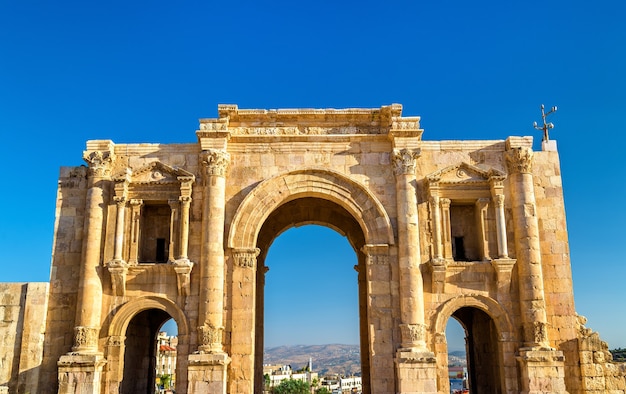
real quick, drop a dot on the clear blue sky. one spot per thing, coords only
(146, 71)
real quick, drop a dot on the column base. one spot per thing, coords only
(416, 371)
(206, 373)
(541, 370)
(80, 373)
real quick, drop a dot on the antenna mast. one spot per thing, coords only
(546, 126)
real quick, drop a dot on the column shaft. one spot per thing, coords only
(89, 302)
(411, 284)
(211, 309)
(184, 227)
(527, 247)
(119, 228)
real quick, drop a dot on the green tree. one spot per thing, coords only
(292, 386)
(166, 380)
(322, 390)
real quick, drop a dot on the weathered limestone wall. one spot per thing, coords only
(23, 307)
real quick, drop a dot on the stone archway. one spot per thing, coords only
(142, 316)
(489, 335)
(311, 196)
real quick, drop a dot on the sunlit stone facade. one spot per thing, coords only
(473, 230)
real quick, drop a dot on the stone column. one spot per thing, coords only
(527, 246)
(207, 368)
(135, 211)
(416, 366)
(536, 357)
(185, 202)
(437, 262)
(242, 338)
(482, 204)
(89, 304)
(435, 207)
(81, 370)
(411, 285)
(174, 206)
(497, 195)
(210, 319)
(447, 231)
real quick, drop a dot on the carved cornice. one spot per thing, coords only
(376, 254)
(245, 258)
(404, 161)
(215, 162)
(519, 160)
(100, 163)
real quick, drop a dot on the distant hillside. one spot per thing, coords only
(327, 359)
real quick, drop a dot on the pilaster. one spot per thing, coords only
(541, 371)
(242, 336)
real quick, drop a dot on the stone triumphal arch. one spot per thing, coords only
(467, 230)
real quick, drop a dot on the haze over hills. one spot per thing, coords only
(329, 359)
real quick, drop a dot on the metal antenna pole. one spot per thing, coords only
(546, 126)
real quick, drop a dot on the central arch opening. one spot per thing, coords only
(311, 282)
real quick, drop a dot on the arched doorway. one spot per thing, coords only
(320, 212)
(487, 331)
(132, 347)
(141, 353)
(324, 197)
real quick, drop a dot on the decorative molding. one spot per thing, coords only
(116, 340)
(85, 338)
(245, 258)
(376, 254)
(519, 160)
(215, 161)
(210, 338)
(404, 161)
(412, 334)
(183, 269)
(118, 270)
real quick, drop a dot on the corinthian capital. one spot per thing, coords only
(519, 160)
(100, 163)
(215, 161)
(404, 161)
